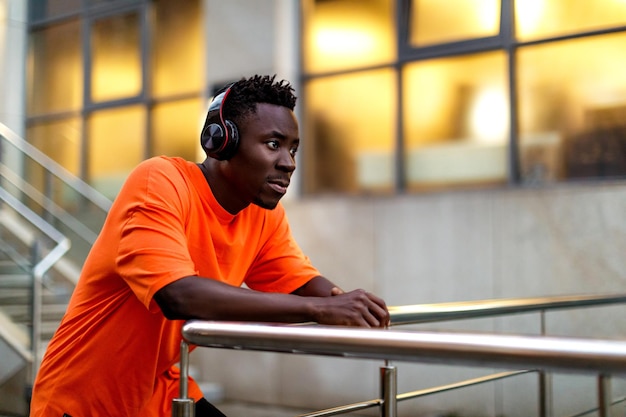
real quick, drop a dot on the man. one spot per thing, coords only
(180, 240)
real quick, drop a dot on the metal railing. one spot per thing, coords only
(540, 354)
(42, 260)
(54, 192)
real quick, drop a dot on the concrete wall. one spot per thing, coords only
(444, 247)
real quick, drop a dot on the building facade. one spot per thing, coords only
(449, 153)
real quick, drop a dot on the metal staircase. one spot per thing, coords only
(49, 219)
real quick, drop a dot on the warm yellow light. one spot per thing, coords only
(489, 118)
(341, 42)
(528, 15)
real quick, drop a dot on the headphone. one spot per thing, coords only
(220, 137)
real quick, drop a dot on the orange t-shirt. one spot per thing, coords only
(114, 352)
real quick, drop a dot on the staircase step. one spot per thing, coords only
(15, 280)
(22, 296)
(21, 313)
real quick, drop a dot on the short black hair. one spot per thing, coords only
(246, 93)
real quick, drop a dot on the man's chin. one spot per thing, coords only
(268, 205)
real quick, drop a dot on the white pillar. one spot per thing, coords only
(13, 46)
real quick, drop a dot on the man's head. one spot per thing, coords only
(258, 170)
(232, 104)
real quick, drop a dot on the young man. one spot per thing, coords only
(180, 240)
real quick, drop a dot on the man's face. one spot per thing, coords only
(261, 169)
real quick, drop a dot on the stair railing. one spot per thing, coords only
(534, 353)
(51, 196)
(43, 260)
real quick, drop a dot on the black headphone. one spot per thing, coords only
(220, 137)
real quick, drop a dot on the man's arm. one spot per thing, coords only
(319, 300)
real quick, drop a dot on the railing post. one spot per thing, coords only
(545, 379)
(35, 311)
(545, 394)
(183, 406)
(388, 391)
(604, 395)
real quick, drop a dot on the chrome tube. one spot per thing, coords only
(428, 313)
(604, 396)
(485, 350)
(183, 406)
(388, 391)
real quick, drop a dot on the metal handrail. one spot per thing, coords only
(41, 266)
(426, 313)
(472, 349)
(587, 356)
(55, 169)
(57, 211)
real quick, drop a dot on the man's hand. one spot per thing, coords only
(354, 308)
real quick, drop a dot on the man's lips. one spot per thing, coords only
(279, 185)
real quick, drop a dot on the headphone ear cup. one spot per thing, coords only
(213, 138)
(230, 148)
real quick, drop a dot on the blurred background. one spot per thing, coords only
(451, 150)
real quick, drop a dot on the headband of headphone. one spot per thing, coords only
(220, 137)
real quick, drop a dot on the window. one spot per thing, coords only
(351, 118)
(436, 21)
(456, 121)
(114, 82)
(465, 93)
(572, 109)
(344, 34)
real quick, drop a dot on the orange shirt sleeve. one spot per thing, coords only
(153, 246)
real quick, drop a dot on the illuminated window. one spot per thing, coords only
(116, 146)
(116, 58)
(456, 121)
(55, 70)
(178, 54)
(350, 132)
(176, 128)
(545, 18)
(572, 106)
(60, 140)
(436, 21)
(134, 107)
(344, 34)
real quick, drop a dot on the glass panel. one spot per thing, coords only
(456, 121)
(572, 109)
(116, 146)
(55, 70)
(545, 18)
(350, 132)
(116, 54)
(436, 21)
(176, 128)
(42, 9)
(345, 34)
(177, 48)
(60, 140)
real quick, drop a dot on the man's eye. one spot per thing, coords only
(273, 144)
(293, 151)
